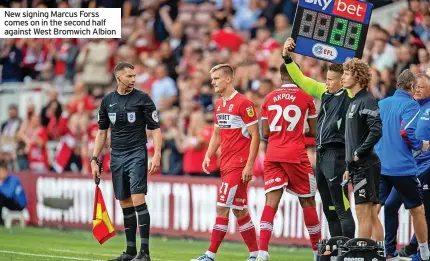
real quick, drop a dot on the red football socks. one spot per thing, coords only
(266, 227)
(218, 233)
(247, 230)
(313, 225)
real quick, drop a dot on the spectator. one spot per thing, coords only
(52, 111)
(177, 39)
(246, 18)
(266, 86)
(66, 158)
(383, 55)
(93, 61)
(10, 58)
(282, 28)
(226, 13)
(423, 30)
(404, 58)
(25, 130)
(9, 130)
(35, 53)
(35, 145)
(163, 90)
(224, 38)
(423, 59)
(65, 59)
(12, 194)
(172, 147)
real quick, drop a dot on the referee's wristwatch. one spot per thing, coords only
(95, 159)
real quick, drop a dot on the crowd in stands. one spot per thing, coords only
(173, 45)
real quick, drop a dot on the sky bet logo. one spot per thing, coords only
(350, 9)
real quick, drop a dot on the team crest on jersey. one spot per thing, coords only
(230, 108)
(112, 117)
(351, 112)
(427, 112)
(250, 111)
(131, 117)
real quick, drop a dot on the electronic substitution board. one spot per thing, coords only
(331, 30)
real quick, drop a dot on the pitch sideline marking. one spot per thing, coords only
(50, 256)
(107, 255)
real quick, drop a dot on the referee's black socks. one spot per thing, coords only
(144, 224)
(130, 226)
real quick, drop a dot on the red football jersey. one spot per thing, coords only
(233, 116)
(287, 110)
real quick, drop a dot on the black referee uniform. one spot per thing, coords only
(362, 131)
(129, 116)
(330, 143)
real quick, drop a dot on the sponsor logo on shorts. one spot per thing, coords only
(354, 259)
(362, 193)
(269, 182)
(239, 200)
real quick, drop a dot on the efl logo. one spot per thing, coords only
(351, 9)
(324, 51)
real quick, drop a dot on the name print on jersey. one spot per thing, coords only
(284, 96)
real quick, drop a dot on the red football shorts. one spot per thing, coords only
(297, 178)
(233, 193)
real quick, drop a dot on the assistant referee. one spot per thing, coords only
(129, 112)
(330, 142)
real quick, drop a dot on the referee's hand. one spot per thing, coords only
(288, 46)
(154, 165)
(95, 170)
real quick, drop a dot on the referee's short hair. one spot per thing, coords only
(226, 68)
(121, 66)
(336, 67)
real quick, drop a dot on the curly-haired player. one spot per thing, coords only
(363, 129)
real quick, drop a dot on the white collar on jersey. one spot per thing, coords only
(289, 85)
(231, 96)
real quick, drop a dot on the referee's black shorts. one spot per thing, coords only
(129, 172)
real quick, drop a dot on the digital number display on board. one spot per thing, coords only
(331, 30)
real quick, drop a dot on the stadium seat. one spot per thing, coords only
(10, 216)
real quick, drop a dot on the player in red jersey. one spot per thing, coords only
(287, 165)
(236, 131)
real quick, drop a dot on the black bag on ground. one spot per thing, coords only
(328, 249)
(361, 249)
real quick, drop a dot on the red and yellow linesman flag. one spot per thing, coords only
(102, 226)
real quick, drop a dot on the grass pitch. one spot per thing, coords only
(44, 244)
